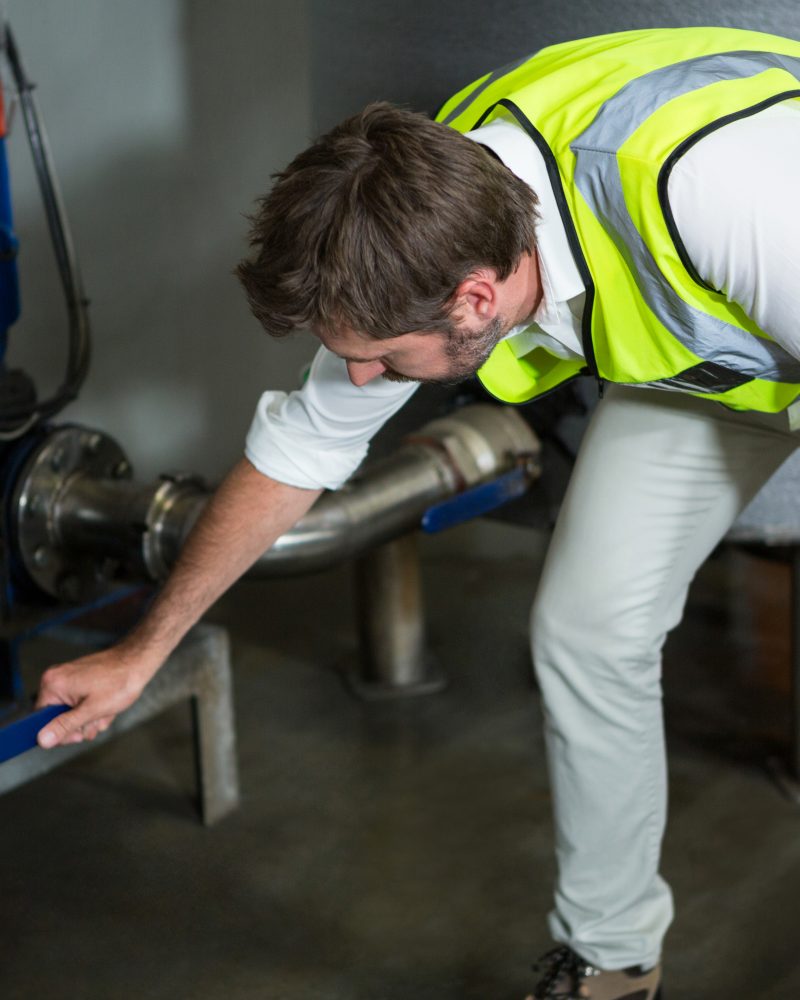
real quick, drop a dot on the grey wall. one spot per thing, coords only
(166, 119)
(419, 54)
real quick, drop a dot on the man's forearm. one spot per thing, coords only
(246, 514)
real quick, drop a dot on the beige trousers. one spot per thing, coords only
(659, 480)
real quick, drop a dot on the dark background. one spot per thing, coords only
(419, 54)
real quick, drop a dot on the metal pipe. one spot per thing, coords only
(76, 508)
(149, 523)
(386, 500)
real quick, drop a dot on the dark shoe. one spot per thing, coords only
(565, 976)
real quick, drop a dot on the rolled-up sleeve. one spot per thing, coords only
(317, 436)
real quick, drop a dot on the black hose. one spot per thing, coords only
(79, 352)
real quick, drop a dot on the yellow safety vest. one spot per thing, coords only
(612, 115)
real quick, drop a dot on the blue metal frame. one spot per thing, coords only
(9, 284)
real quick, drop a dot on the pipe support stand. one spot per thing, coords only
(200, 671)
(393, 660)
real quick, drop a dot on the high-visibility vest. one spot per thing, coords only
(612, 116)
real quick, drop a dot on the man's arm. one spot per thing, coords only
(244, 517)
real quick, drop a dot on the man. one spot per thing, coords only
(623, 206)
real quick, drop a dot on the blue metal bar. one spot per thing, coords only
(479, 500)
(19, 736)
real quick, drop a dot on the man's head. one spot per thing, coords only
(391, 225)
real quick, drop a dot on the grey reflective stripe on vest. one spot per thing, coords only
(465, 102)
(597, 178)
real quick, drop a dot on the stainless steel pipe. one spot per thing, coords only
(79, 519)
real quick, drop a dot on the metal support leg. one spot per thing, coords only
(199, 670)
(394, 661)
(215, 732)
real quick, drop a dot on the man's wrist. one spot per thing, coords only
(142, 658)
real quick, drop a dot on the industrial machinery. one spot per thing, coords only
(23, 417)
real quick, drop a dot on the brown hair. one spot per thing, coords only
(375, 225)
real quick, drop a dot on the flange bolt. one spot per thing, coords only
(41, 556)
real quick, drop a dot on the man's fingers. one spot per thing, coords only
(93, 729)
(72, 727)
(64, 728)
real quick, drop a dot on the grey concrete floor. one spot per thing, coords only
(398, 851)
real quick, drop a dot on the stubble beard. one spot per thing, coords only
(466, 352)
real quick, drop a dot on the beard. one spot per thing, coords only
(465, 350)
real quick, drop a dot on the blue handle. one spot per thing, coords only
(19, 736)
(478, 500)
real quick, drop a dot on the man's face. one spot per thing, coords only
(442, 358)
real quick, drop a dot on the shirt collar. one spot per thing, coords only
(561, 279)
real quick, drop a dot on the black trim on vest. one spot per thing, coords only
(566, 218)
(706, 377)
(683, 147)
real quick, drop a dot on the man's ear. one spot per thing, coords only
(477, 297)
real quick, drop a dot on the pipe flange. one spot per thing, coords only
(174, 487)
(480, 441)
(65, 453)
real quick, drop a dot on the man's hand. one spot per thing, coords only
(98, 687)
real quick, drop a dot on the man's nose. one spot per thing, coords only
(361, 372)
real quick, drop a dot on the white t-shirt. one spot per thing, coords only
(736, 203)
